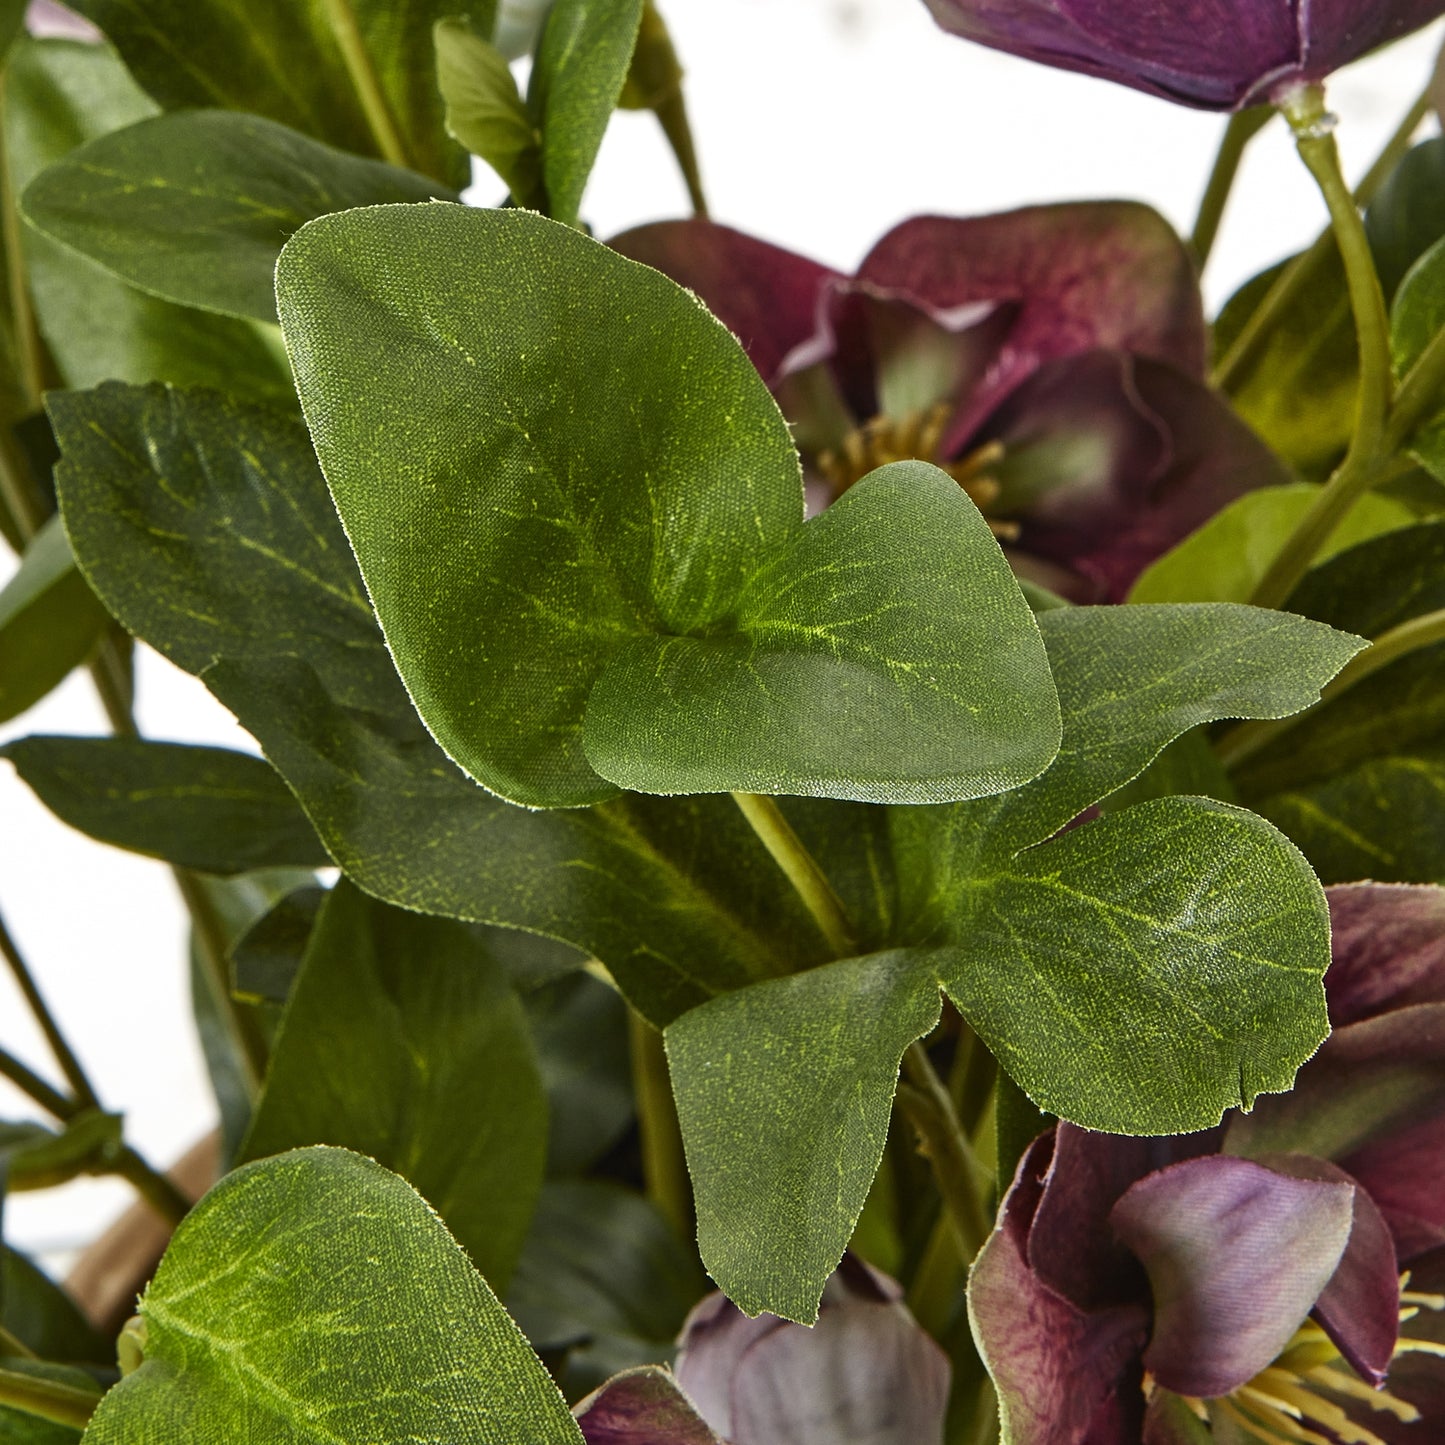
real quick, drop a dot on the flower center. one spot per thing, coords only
(916, 437)
(1309, 1385)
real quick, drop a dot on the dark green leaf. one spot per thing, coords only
(577, 77)
(1407, 216)
(267, 957)
(403, 1040)
(281, 59)
(322, 1257)
(195, 207)
(485, 111)
(20, 1428)
(641, 497)
(50, 622)
(58, 95)
(1416, 318)
(35, 1157)
(41, 1315)
(1018, 1122)
(205, 808)
(604, 1278)
(1358, 783)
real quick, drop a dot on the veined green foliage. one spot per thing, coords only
(584, 537)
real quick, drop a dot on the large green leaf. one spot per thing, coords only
(1416, 318)
(49, 622)
(40, 1314)
(583, 535)
(195, 207)
(315, 1298)
(403, 1040)
(1358, 783)
(205, 808)
(1407, 216)
(59, 95)
(283, 59)
(580, 67)
(1140, 974)
(207, 529)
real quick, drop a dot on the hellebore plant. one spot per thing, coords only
(823, 781)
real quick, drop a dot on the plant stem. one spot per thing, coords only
(34, 1087)
(151, 1185)
(47, 1399)
(15, 1347)
(672, 116)
(664, 1165)
(62, 1052)
(1361, 466)
(963, 1182)
(1243, 126)
(366, 82)
(1304, 266)
(1428, 630)
(801, 868)
(22, 314)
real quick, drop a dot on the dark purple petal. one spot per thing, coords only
(1338, 31)
(1079, 277)
(1404, 1172)
(1064, 1375)
(1419, 1378)
(641, 1407)
(1237, 1255)
(1388, 948)
(768, 297)
(1360, 1307)
(1109, 461)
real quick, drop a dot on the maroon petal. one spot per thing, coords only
(1388, 948)
(1404, 1173)
(1063, 1374)
(641, 1407)
(1419, 1378)
(1082, 277)
(768, 297)
(1338, 31)
(1237, 1255)
(1109, 461)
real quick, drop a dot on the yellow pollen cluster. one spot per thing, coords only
(1281, 1404)
(917, 436)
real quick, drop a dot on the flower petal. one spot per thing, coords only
(641, 1407)
(1237, 1255)
(714, 1338)
(1388, 946)
(1404, 1173)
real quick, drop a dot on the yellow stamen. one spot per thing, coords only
(1269, 1426)
(1357, 1389)
(1306, 1405)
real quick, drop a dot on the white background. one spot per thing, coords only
(820, 124)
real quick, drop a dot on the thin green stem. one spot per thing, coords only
(1367, 453)
(963, 1182)
(28, 367)
(664, 1165)
(62, 1052)
(1428, 630)
(48, 1399)
(672, 116)
(15, 1347)
(1243, 126)
(34, 1087)
(1299, 272)
(801, 869)
(366, 82)
(151, 1185)
(933, 1294)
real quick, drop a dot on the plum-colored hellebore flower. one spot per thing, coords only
(1213, 54)
(865, 1374)
(1051, 359)
(1245, 1284)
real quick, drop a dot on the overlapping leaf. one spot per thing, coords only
(584, 535)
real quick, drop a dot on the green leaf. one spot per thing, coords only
(41, 1315)
(77, 1388)
(1228, 556)
(49, 622)
(403, 1040)
(1357, 784)
(1407, 216)
(195, 207)
(210, 809)
(1416, 318)
(281, 59)
(485, 111)
(315, 1298)
(641, 497)
(577, 77)
(35, 1157)
(604, 1278)
(58, 95)
(267, 957)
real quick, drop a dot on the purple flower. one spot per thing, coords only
(1051, 359)
(1214, 54)
(865, 1374)
(1245, 1284)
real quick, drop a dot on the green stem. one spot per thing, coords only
(22, 314)
(801, 869)
(672, 116)
(1243, 126)
(933, 1294)
(1299, 272)
(62, 1052)
(47, 1399)
(34, 1087)
(366, 82)
(15, 1347)
(1428, 630)
(1367, 453)
(151, 1185)
(963, 1182)
(664, 1165)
